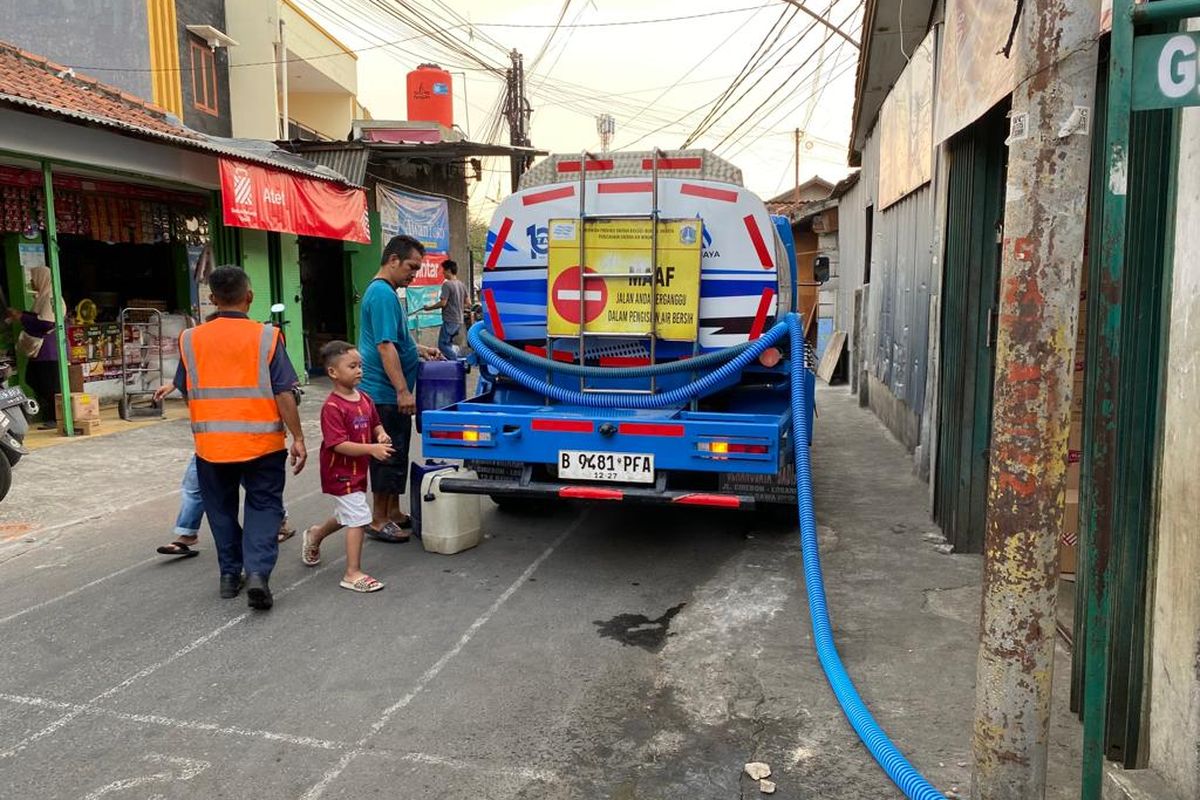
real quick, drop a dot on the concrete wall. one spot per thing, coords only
(329, 114)
(203, 12)
(309, 41)
(253, 86)
(86, 34)
(1175, 640)
(895, 343)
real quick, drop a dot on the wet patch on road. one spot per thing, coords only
(638, 630)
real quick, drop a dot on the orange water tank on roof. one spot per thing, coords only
(429, 95)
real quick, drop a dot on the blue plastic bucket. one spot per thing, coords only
(440, 384)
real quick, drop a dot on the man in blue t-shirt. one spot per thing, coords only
(390, 359)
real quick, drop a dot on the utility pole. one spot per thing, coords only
(606, 126)
(1049, 158)
(517, 111)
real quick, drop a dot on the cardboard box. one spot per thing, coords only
(75, 378)
(83, 427)
(1068, 555)
(1068, 542)
(84, 406)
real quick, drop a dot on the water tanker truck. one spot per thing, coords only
(618, 293)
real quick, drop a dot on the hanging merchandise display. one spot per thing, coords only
(120, 245)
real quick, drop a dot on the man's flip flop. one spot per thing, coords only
(390, 532)
(181, 549)
(366, 584)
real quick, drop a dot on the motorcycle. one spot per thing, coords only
(15, 411)
(279, 322)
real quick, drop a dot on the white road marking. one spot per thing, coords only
(189, 768)
(520, 773)
(112, 575)
(180, 724)
(431, 759)
(430, 674)
(77, 590)
(150, 670)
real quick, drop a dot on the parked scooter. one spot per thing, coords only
(15, 410)
(279, 322)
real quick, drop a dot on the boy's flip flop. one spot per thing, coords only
(181, 549)
(366, 584)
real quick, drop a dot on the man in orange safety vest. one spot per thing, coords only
(237, 378)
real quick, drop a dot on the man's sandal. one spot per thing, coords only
(178, 548)
(366, 584)
(390, 532)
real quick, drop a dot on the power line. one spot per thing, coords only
(713, 116)
(833, 77)
(748, 67)
(784, 83)
(624, 22)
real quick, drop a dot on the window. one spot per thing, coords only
(204, 79)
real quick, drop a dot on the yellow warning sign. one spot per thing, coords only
(614, 296)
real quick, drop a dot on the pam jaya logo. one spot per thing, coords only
(243, 187)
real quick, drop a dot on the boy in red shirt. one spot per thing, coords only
(351, 435)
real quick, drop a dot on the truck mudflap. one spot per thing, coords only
(575, 491)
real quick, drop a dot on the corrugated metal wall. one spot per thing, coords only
(902, 272)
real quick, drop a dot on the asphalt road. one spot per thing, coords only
(585, 652)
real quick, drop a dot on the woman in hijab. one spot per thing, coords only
(40, 344)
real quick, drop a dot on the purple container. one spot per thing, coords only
(440, 384)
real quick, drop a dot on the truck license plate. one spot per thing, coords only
(619, 467)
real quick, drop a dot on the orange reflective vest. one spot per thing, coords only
(232, 405)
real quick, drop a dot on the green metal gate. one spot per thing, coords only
(970, 289)
(1128, 315)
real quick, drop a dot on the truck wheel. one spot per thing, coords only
(5, 477)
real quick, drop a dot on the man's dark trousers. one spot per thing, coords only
(251, 546)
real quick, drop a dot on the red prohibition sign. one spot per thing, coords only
(565, 295)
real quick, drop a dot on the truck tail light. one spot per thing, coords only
(717, 447)
(462, 435)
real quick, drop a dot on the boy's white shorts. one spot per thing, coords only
(352, 510)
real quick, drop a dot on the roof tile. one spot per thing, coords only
(35, 78)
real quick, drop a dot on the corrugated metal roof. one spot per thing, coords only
(348, 161)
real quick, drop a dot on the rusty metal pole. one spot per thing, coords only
(1044, 234)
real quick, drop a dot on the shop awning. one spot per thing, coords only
(267, 199)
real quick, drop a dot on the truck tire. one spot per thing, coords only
(5, 477)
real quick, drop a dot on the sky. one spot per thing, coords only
(658, 79)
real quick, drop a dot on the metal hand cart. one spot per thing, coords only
(141, 362)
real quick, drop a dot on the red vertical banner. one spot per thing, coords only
(430, 273)
(273, 200)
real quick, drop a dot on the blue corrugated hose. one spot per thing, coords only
(885, 753)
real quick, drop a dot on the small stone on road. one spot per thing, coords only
(758, 770)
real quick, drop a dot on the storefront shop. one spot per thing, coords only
(122, 247)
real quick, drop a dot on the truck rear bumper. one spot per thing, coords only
(575, 491)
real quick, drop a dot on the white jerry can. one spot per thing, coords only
(450, 523)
